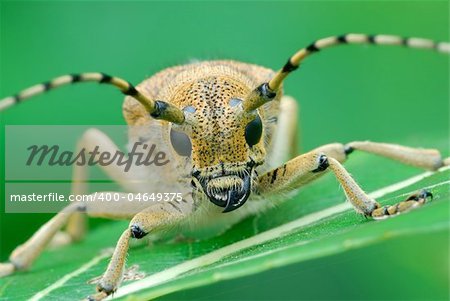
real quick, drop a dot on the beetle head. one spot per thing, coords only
(224, 142)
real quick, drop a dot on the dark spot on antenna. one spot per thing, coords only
(342, 39)
(289, 67)
(312, 48)
(131, 91)
(47, 86)
(105, 78)
(371, 39)
(75, 78)
(405, 41)
(160, 107)
(265, 92)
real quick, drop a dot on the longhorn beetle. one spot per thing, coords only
(232, 126)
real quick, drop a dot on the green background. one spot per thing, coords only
(347, 93)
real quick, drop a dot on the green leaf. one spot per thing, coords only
(315, 223)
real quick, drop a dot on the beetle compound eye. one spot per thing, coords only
(253, 131)
(181, 143)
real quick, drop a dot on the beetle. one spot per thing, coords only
(230, 130)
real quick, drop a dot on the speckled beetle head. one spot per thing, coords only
(224, 142)
(222, 139)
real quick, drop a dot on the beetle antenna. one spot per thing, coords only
(156, 108)
(267, 91)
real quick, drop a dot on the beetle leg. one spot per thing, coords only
(423, 158)
(307, 167)
(151, 219)
(72, 216)
(430, 159)
(24, 255)
(76, 225)
(413, 201)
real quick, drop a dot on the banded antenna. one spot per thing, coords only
(267, 91)
(156, 108)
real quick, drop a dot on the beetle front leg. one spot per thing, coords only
(305, 168)
(152, 219)
(293, 174)
(365, 204)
